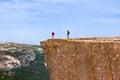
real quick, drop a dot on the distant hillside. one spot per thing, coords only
(22, 62)
(13, 55)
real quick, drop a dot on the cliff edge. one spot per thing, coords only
(83, 58)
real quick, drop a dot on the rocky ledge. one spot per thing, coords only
(83, 58)
(14, 55)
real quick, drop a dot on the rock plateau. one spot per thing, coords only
(83, 58)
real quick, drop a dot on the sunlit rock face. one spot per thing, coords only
(83, 58)
(13, 55)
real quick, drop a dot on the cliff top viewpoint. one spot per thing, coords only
(83, 58)
(93, 39)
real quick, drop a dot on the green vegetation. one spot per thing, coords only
(36, 70)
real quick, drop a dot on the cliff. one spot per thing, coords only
(14, 55)
(83, 58)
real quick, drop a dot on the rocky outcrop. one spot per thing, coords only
(13, 55)
(83, 59)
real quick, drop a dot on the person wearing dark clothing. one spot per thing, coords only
(68, 33)
(53, 35)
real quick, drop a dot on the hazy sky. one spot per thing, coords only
(30, 21)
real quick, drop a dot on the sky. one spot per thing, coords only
(32, 21)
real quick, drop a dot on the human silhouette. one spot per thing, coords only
(68, 33)
(53, 35)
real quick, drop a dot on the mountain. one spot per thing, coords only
(14, 55)
(22, 62)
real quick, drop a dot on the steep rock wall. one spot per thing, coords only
(83, 59)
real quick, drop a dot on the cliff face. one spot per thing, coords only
(13, 55)
(83, 59)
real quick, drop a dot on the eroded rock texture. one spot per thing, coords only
(83, 59)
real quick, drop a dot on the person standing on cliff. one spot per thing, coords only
(68, 33)
(53, 35)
